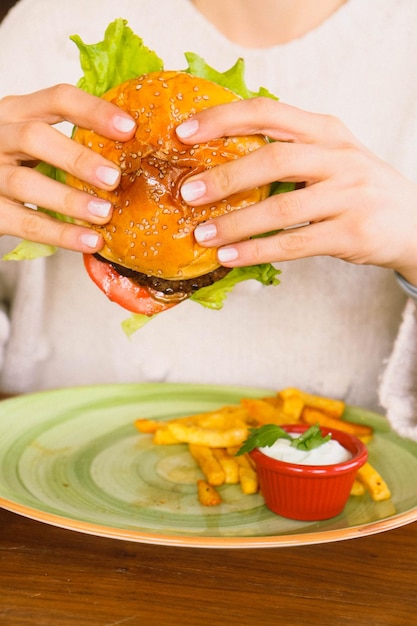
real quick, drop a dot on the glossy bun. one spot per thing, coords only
(151, 230)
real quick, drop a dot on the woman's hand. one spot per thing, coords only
(353, 205)
(27, 136)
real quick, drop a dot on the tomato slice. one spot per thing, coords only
(122, 290)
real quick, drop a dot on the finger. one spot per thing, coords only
(29, 186)
(275, 213)
(275, 161)
(66, 102)
(272, 118)
(37, 140)
(287, 245)
(36, 226)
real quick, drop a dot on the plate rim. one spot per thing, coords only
(248, 542)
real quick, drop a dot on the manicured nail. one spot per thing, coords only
(187, 129)
(107, 175)
(227, 254)
(99, 208)
(205, 232)
(123, 124)
(193, 190)
(89, 239)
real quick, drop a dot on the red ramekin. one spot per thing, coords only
(309, 492)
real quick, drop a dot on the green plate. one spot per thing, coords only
(74, 459)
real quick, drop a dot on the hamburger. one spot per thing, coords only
(150, 260)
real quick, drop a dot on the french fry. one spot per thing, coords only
(208, 464)
(227, 417)
(207, 494)
(358, 488)
(312, 416)
(331, 407)
(228, 464)
(263, 412)
(147, 426)
(163, 436)
(374, 482)
(247, 475)
(293, 406)
(212, 437)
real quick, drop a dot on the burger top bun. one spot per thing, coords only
(151, 229)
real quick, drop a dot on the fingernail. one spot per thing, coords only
(227, 254)
(89, 239)
(205, 232)
(99, 208)
(123, 124)
(107, 175)
(193, 190)
(187, 129)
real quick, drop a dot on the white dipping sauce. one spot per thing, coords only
(328, 453)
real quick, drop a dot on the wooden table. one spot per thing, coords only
(55, 577)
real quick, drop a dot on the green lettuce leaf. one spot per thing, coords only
(233, 78)
(133, 323)
(29, 250)
(121, 55)
(213, 296)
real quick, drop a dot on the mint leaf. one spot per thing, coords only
(267, 435)
(310, 439)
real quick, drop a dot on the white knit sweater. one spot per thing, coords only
(330, 326)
